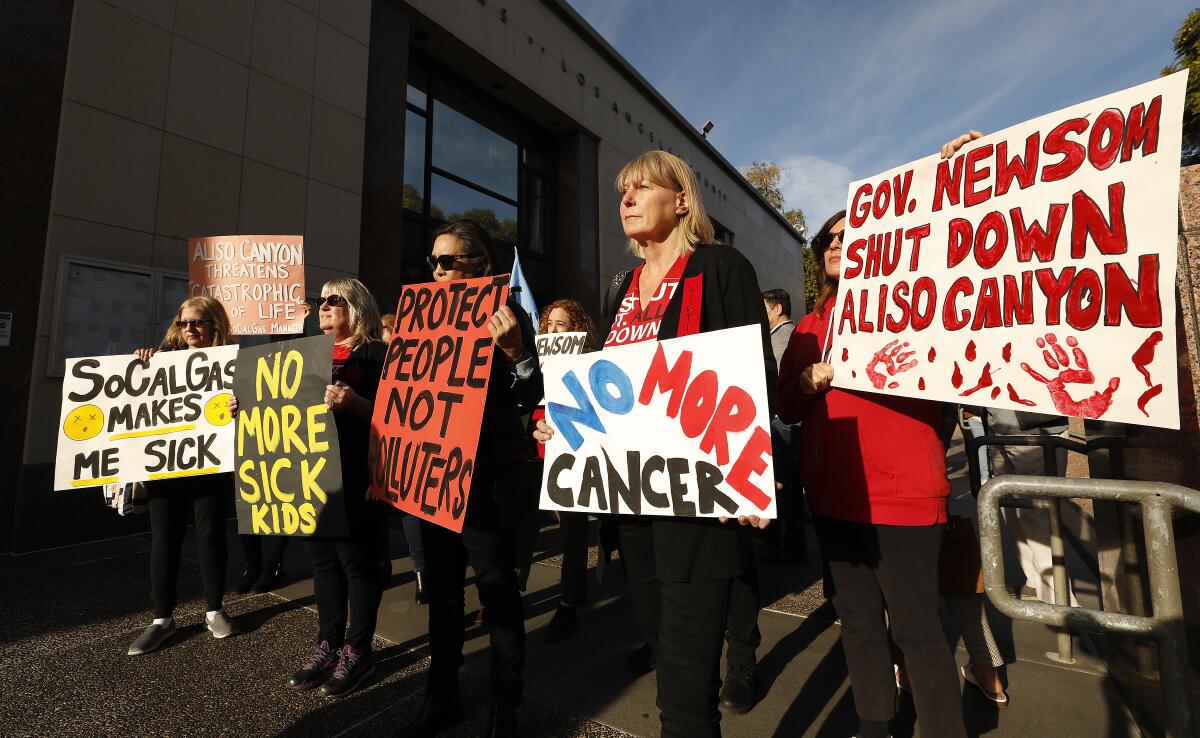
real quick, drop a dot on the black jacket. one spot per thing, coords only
(361, 372)
(698, 549)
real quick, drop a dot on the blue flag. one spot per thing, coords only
(519, 288)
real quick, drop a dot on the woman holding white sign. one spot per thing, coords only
(200, 322)
(683, 573)
(874, 470)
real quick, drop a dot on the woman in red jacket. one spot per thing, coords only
(875, 474)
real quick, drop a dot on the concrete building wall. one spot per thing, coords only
(533, 42)
(185, 118)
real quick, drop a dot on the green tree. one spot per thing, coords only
(764, 177)
(1187, 56)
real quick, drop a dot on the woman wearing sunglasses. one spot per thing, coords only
(346, 570)
(502, 497)
(874, 470)
(199, 323)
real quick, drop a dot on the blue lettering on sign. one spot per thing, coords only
(564, 417)
(605, 374)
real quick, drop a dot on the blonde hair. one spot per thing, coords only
(668, 170)
(365, 323)
(212, 310)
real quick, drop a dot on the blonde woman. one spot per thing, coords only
(347, 575)
(681, 571)
(199, 323)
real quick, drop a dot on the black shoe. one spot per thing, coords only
(271, 579)
(249, 577)
(436, 715)
(317, 669)
(740, 691)
(641, 660)
(422, 597)
(561, 625)
(353, 668)
(502, 721)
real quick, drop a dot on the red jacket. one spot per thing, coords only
(864, 457)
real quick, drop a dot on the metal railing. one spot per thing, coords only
(1053, 507)
(1165, 626)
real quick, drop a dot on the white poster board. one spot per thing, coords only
(568, 343)
(1034, 270)
(678, 427)
(124, 420)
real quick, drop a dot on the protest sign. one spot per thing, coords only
(568, 343)
(259, 280)
(678, 427)
(289, 464)
(126, 420)
(429, 408)
(1033, 270)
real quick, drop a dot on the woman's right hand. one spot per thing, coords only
(232, 405)
(144, 354)
(816, 378)
(542, 432)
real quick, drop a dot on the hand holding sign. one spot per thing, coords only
(506, 332)
(816, 378)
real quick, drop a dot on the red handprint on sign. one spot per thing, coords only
(895, 359)
(1057, 359)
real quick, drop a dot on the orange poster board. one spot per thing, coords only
(259, 280)
(429, 408)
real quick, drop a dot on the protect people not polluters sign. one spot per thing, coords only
(1033, 270)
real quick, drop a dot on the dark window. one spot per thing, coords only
(468, 156)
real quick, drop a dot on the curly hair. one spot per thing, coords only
(212, 310)
(580, 320)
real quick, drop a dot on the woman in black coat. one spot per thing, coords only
(681, 571)
(501, 499)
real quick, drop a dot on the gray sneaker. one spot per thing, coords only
(220, 625)
(150, 639)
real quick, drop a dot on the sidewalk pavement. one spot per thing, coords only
(69, 615)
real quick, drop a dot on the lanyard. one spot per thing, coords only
(828, 348)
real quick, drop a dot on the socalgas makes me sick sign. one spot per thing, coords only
(678, 427)
(126, 420)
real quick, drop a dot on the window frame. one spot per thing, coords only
(55, 360)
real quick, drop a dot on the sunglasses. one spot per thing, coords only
(332, 300)
(827, 240)
(182, 324)
(447, 261)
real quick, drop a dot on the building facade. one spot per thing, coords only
(360, 124)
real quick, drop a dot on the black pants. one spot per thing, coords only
(685, 624)
(871, 569)
(262, 551)
(491, 553)
(169, 501)
(573, 534)
(742, 636)
(347, 571)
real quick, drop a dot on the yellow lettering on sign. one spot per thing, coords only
(316, 427)
(308, 477)
(248, 478)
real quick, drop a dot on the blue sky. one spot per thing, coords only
(836, 91)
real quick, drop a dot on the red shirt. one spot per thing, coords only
(633, 324)
(864, 457)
